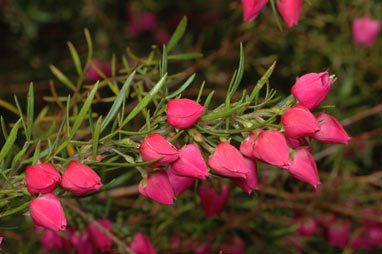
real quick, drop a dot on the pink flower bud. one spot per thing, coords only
(271, 147)
(203, 248)
(338, 234)
(190, 163)
(297, 142)
(80, 179)
(82, 243)
(365, 30)
(213, 202)
(179, 183)
(251, 8)
(331, 131)
(246, 147)
(251, 181)
(155, 146)
(183, 113)
(311, 89)
(304, 167)
(1, 241)
(307, 227)
(299, 122)
(148, 21)
(46, 211)
(100, 240)
(227, 161)
(142, 245)
(290, 10)
(41, 178)
(158, 188)
(52, 240)
(162, 37)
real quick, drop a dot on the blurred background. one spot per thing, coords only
(34, 34)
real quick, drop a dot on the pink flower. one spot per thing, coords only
(290, 10)
(365, 30)
(331, 131)
(179, 183)
(46, 211)
(148, 21)
(1, 240)
(190, 163)
(311, 89)
(183, 113)
(80, 179)
(271, 147)
(41, 178)
(297, 142)
(251, 181)
(82, 243)
(162, 37)
(307, 227)
(338, 234)
(304, 168)
(158, 188)
(227, 161)
(213, 202)
(100, 240)
(142, 245)
(203, 248)
(299, 122)
(104, 67)
(251, 8)
(246, 147)
(155, 146)
(52, 240)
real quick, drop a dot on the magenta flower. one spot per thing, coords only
(311, 89)
(331, 131)
(304, 168)
(158, 188)
(41, 178)
(213, 202)
(179, 183)
(299, 122)
(142, 245)
(155, 146)
(271, 147)
(46, 211)
(80, 179)
(100, 240)
(365, 31)
(228, 161)
(290, 10)
(251, 8)
(183, 113)
(246, 147)
(190, 163)
(250, 183)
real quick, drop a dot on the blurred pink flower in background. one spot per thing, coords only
(365, 31)
(306, 226)
(212, 201)
(103, 66)
(142, 245)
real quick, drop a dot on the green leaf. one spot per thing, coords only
(90, 48)
(220, 114)
(182, 88)
(18, 156)
(163, 66)
(177, 35)
(145, 101)
(36, 155)
(61, 76)
(81, 116)
(118, 102)
(208, 100)
(261, 82)
(21, 113)
(276, 15)
(240, 72)
(30, 111)
(96, 137)
(186, 56)
(10, 141)
(76, 58)
(14, 210)
(200, 92)
(3, 128)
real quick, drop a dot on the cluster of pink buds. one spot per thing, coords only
(289, 9)
(46, 211)
(86, 242)
(288, 149)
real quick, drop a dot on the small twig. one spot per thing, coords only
(369, 112)
(91, 220)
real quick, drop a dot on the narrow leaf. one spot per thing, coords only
(83, 111)
(30, 111)
(240, 72)
(261, 82)
(10, 141)
(96, 137)
(118, 102)
(61, 76)
(186, 56)
(177, 35)
(76, 58)
(182, 88)
(146, 100)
